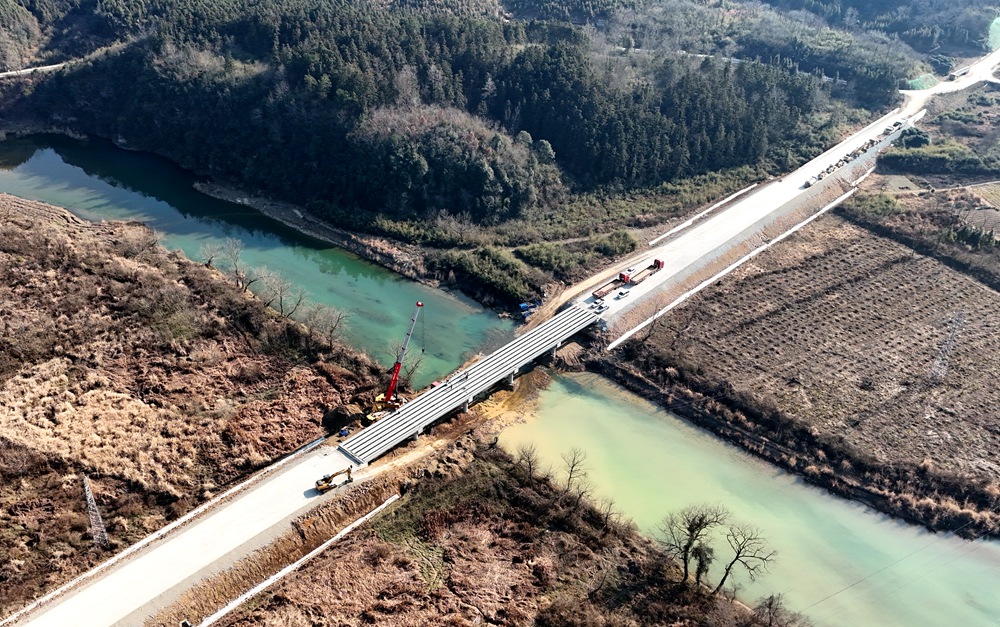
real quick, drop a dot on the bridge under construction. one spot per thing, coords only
(462, 387)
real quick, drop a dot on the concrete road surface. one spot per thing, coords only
(692, 245)
(128, 591)
(138, 582)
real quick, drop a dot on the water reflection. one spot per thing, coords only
(98, 181)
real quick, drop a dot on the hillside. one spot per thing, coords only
(484, 538)
(149, 374)
(482, 130)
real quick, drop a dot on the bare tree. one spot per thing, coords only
(209, 252)
(231, 261)
(267, 279)
(610, 517)
(681, 532)
(750, 550)
(324, 321)
(407, 86)
(277, 291)
(771, 612)
(527, 456)
(575, 461)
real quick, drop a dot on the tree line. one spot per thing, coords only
(347, 106)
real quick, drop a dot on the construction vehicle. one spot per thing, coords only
(390, 400)
(326, 483)
(611, 286)
(645, 273)
(628, 277)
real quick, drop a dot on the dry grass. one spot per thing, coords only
(990, 194)
(140, 369)
(479, 542)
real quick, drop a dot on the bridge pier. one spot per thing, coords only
(510, 379)
(555, 349)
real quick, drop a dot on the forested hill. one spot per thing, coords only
(409, 109)
(409, 113)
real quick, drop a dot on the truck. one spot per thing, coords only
(628, 277)
(611, 286)
(962, 71)
(646, 272)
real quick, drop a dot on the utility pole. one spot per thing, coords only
(97, 530)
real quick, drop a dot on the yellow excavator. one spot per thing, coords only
(327, 481)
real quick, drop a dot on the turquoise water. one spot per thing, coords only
(97, 181)
(838, 562)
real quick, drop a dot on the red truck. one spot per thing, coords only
(629, 277)
(607, 288)
(646, 272)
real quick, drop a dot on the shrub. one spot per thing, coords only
(616, 244)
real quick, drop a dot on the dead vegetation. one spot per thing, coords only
(481, 538)
(144, 371)
(958, 227)
(852, 360)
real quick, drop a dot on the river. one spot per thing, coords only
(839, 562)
(97, 181)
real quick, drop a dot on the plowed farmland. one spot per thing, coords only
(857, 340)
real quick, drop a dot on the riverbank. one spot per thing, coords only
(401, 258)
(913, 494)
(920, 494)
(848, 359)
(145, 372)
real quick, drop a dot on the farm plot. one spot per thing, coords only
(957, 226)
(859, 337)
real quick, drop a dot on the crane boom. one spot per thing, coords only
(391, 392)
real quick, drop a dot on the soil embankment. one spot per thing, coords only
(480, 538)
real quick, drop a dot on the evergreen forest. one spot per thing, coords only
(398, 116)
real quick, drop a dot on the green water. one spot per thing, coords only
(97, 181)
(839, 562)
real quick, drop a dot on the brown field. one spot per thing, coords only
(150, 374)
(990, 195)
(860, 339)
(483, 541)
(937, 224)
(851, 359)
